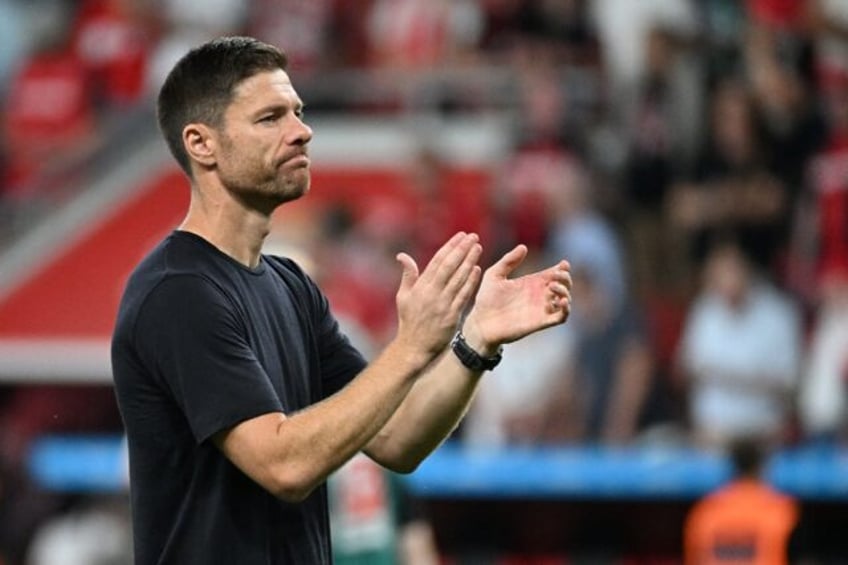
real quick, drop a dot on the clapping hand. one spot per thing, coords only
(431, 303)
(506, 310)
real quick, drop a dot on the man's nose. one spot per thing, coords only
(301, 133)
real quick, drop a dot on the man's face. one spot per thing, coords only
(263, 141)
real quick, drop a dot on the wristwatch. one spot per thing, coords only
(471, 358)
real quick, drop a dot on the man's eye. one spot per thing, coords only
(269, 118)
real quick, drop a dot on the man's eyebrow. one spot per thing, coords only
(280, 107)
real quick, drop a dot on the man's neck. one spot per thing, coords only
(224, 222)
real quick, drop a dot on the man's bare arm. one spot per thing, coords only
(290, 455)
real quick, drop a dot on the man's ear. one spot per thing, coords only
(200, 143)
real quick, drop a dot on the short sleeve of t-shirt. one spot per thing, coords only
(189, 326)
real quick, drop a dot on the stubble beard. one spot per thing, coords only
(269, 190)
(259, 186)
(288, 187)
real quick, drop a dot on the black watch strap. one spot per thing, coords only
(471, 358)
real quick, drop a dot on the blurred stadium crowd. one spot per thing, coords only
(689, 157)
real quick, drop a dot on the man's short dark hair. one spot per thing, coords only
(200, 86)
(747, 455)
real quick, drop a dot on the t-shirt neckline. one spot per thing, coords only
(258, 270)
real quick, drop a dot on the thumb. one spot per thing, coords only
(410, 271)
(510, 261)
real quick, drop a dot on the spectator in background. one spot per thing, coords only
(733, 188)
(410, 35)
(49, 109)
(739, 353)
(182, 26)
(793, 132)
(792, 125)
(577, 227)
(611, 374)
(374, 521)
(445, 201)
(662, 135)
(541, 161)
(113, 38)
(301, 26)
(623, 27)
(605, 400)
(745, 521)
(823, 403)
(354, 258)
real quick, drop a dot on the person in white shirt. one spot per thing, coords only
(740, 352)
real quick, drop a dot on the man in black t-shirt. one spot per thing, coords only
(239, 393)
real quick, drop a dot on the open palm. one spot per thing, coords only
(506, 310)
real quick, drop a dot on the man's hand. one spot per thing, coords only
(430, 304)
(506, 310)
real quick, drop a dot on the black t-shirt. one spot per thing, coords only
(202, 343)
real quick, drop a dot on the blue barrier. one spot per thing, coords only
(591, 472)
(97, 464)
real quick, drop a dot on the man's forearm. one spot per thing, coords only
(427, 416)
(292, 454)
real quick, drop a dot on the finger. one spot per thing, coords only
(563, 302)
(567, 280)
(468, 289)
(509, 262)
(410, 271)
(443, 272)
(562, 272)
(463, 271)
(558, 293)
(445, 250)
(564, 308)
(558, 308)
(559, 289)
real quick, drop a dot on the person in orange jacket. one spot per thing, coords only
(745, 521)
